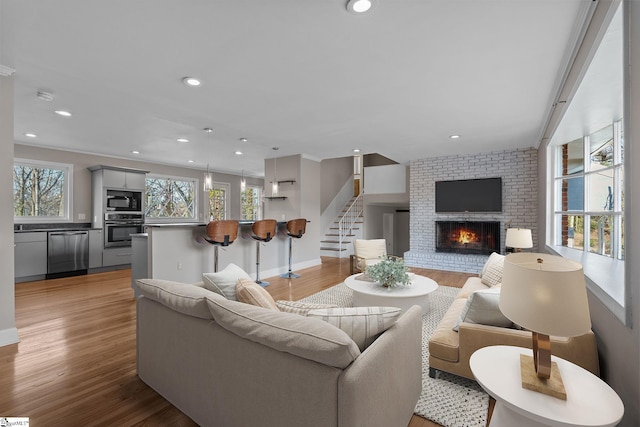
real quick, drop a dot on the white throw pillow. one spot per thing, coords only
(362, 324)
(482, 307)
(492, 271)
(224, 282)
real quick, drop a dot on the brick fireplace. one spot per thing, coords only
(468, 237)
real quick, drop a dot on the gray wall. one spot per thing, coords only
(8, 331)
(518, 169)
(82, 177)
(334, 173)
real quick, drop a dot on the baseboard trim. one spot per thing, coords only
(296, 266)
(9, 336)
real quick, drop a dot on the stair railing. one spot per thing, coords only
(348, 219)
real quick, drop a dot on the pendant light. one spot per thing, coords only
(274, 183)
(243, 182)
(208, 179)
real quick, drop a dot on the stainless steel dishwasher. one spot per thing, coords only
(67, 252)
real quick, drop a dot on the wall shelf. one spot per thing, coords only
(276, 197)
(292, 181)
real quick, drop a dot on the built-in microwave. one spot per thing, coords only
(123, 201)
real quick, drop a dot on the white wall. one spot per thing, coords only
(387, 179)
(8, 331)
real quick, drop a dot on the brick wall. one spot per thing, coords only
(519, 172)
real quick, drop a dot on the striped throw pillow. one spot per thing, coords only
(301, 308)
(362, 324)
(250, 292)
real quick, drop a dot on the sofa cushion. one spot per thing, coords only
(250, 292)
(362, 324)
(444, 342)
(482, 308)
(224, 282)
(471, 285)
(305, 337)
(491, 273)
(300, 307)
(181, 297)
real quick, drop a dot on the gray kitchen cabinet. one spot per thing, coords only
(121, 179)
(116, 256)
(96, 245)
(30, 254)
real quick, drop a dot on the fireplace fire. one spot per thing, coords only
(468, 237)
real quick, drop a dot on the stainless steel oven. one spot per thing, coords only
(118, 228)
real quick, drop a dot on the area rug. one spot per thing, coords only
(448, 400)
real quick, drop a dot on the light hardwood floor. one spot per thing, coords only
(76, 362)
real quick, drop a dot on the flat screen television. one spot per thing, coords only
(469, 195)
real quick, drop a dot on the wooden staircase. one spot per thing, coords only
(331, 245)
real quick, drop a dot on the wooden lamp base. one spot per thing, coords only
(553, 386)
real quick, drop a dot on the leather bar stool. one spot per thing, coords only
(263, 231)
(295, 228)
(220, 233)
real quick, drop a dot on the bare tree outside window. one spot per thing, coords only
(170, 198)
(217, 203)
(250, 204)
(39, 191)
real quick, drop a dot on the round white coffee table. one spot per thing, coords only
(367, 293)
(590, 401)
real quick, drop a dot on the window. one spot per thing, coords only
(218, 201)
(170, 198)
(590, 193)
(250, 203)
(41, 191)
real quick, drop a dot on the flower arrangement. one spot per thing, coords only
(390, 272)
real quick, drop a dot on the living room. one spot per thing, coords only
(529, 198)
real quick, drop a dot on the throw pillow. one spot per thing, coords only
(299, 307)
(250, 292)
(304, 337)
(224, 282)
(362, 324)
(492, 271)
(482, 307)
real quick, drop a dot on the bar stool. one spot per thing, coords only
(263, 231)
(220, 233)
(295, 228)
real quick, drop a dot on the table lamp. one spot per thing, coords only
(545, 294)
(518, 238)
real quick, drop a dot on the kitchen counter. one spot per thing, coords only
(72, 226)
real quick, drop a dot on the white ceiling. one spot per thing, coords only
(303, 75)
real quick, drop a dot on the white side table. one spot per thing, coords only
(590, 401)
(367, 293)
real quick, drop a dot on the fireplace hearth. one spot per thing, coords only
(468, 237)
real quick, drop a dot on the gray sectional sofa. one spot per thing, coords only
(227, 363)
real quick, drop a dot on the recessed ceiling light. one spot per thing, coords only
(135, 152)
(359, 6)
(190, 161)
(356, 150)
(243, 139)
(191, 81)
(31, 135)
(454, 136)
(63, 113)
(239, 153)
(182, 140)
(208, 130)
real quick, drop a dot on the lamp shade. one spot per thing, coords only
(545, 294)
(519, 238)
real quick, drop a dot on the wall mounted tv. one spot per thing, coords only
(469, 195)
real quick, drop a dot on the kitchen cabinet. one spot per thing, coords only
(30, 254)
(116, 256)
(96, 245)
(122, 179)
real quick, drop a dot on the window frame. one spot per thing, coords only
(162, 220)
(227, 193)
(605, 276)
(259, 204)
(67, 189)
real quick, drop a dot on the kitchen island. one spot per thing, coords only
(176, 251)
